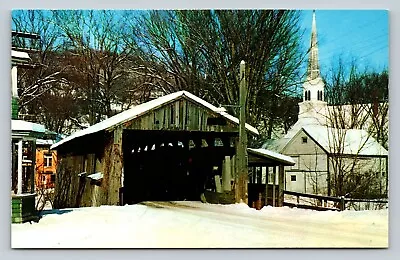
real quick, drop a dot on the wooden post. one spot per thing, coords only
(115, 173)
(342, 204)
(387, 177)
(328, 177)
(218, 187)
(273, 186)
(259, 175)
(19, 183)
(233, 172)
(226, 174)
(281, 183)
(33, 166)
(266, 186)
(242, 175)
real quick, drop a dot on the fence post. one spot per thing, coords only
(342, 204)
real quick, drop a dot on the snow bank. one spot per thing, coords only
(198, 225)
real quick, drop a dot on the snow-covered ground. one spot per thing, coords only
(198, 225)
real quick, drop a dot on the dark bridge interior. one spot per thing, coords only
(172, 165)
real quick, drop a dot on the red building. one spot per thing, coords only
(46, 164)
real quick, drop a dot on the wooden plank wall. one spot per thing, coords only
(180, 115)
(67, 180)
(74, 191)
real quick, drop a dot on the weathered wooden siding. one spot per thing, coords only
(181, 115)
(74, 191)
(67, 181)
(114, 172)
(92, 191)
(102, 152)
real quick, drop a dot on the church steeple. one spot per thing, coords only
(313, 87)
(313, 109)
(313, 64)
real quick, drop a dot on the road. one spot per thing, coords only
(286, 231)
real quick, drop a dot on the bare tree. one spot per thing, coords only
(199, 51)
(358, 101)
(33, 83)
(118, 58)
(94, 42)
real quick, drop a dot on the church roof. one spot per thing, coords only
(345, 141)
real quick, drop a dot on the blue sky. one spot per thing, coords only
(362, 35)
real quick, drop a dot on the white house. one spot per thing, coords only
(331, 161)
(324, 154)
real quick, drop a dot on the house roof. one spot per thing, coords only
(19, 55)
(25, 126)
(142, 109)
(347, 141)
(284, 159)
(24, 129)
(45, 142)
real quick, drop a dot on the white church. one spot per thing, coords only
(331, 158)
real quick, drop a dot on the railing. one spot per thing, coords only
(339, 203)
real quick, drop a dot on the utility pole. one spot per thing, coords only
(242, 168)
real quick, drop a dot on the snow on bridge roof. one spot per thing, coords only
(141, 109)
(286, 160)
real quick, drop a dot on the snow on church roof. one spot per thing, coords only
(352, 141)
(144, 108)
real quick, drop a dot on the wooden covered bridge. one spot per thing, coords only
(175, 147)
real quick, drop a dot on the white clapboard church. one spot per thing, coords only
(330, 160)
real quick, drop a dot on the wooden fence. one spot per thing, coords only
(322, 202)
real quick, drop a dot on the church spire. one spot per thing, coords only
(313, 64)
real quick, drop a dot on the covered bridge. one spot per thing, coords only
(170, 148)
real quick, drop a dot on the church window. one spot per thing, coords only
(320, 95)
(304, 139)
(307, 96)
